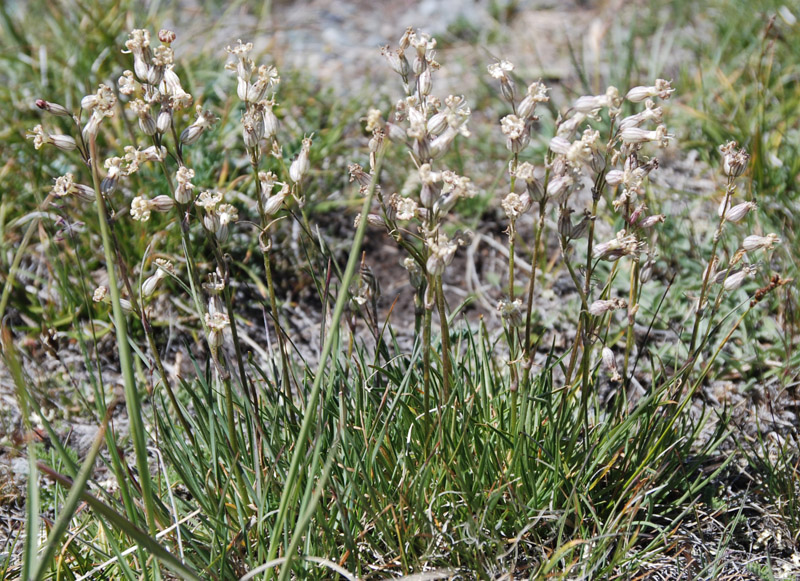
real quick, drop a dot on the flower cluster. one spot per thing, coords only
(427, 126)
(734, 163)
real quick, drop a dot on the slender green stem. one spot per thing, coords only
(132, 401)
(148, 331)
(310, 412)
(632, 298)
(273, 303)
(511, 239)
(532, 283)
(426, 363)
(709, 267)
(445, 330)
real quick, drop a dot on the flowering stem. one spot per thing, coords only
(148, 331)
(446, 366)
(426, 361)
(704, 290)
(301, 442)
(532, 283)
(512, 233)
(511, 239)
(273, 303)
(632, 301)
(132, 401)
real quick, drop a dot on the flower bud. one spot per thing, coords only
(166, 36)
(164, 119)
(163, 268)
(216, 324)
(424, 82)
(301, 165)
(511, 312)
(269, 120)
(610, 363)
(52, 108)
(739, 211)
(601, 307)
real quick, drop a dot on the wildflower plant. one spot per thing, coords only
(388, 459)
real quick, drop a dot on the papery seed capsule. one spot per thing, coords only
(646, 271)
(614, 177)
(437, 123)
(216, 325)
(91, 128)
(735, 280)
(395, 132)
(421, 149)
(273, 203)
(581, 229)
(191, 134)
(84, 193)
(155, 74)
(147, 124)
(565, 222)
(162, 204)
(249, 135)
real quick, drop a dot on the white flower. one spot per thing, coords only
(406, 209)
(755, 242)
(216, 324)
(635, 135)
(662, 89)
(511, 312)
(163, 269)
(500, 70)
(209, 200)
(515, 205)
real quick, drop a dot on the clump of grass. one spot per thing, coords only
(472, 453)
